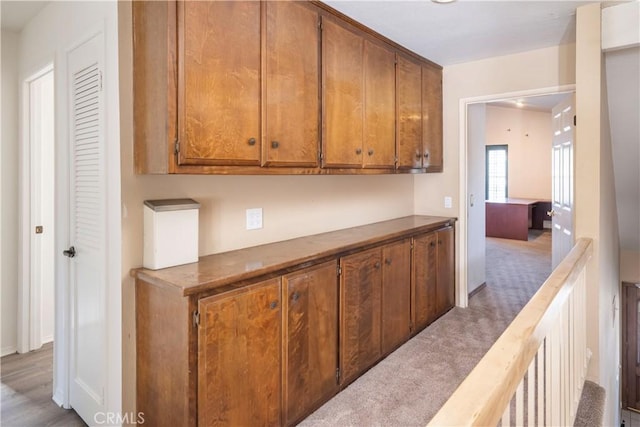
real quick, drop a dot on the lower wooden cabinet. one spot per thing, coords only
(360, 296)
(375, 304)
(270, 349)
(239, 343)
(396, 295)
(310, 303)
(433, 276)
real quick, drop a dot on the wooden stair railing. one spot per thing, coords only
(534, 373)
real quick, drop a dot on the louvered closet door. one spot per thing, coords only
(88, 228)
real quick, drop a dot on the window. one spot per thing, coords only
(496, 174)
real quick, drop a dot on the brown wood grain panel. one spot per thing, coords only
(445, 293)
(219, 82)
(360, 297)
(379, 145)
(409, 113)
(310, 339)
(154, 91)
(396, 294)
(292, 85)
(630, 354)
(425, 258)
(432, 159)
(239, 379)
(507, 220)
(343, 90)
(164, 372)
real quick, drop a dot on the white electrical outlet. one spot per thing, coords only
(254, 219)
(447, 202)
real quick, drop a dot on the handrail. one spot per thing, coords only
(486, 393)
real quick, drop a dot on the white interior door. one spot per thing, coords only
(563, 125)
(41, 141)
(88, 251)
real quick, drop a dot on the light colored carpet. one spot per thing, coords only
(410, 385)
(591, 408)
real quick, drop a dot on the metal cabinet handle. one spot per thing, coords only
(377, 265)
(275, 144)
(387, 261)
(370, 152)
(71, 252)
(426, 155)
(252, 141)
(418, 156)
(295, 297)
(358, 150)
(273, 304)
(432, 244)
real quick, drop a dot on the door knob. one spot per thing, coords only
(551, 213)
(71, 252)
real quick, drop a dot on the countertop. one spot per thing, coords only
(219, 271)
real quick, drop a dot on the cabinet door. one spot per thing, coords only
(359, 313)
(310, 299)
(343, 96)
(396, 294)
(292, 81)
(409, 112)
(379, 143)
(445, 294)
(432, 119)
(239, 344)
(425, 256)
(219, 82)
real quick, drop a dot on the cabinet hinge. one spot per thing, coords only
(176, 147)
(574, 120)
(337, 375)
(320, 24)
(412, 244)
(339, 270)
(321, 156)
(196, 319)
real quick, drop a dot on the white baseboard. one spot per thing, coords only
(57, 397)
(10, 349)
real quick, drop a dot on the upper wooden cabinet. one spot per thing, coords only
(219, 83)
(277, 87)
(432, 119)
(291, 85)
(359, 100)
(343, 105)
(409, 113)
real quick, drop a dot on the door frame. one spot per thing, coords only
(25, 296)
(463, 194)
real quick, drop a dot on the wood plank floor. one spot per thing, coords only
(25, 401)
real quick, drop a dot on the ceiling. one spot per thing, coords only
(467, 30)
(533, 103)
(14, 15)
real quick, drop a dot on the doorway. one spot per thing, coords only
(38, 195)
(479, 133)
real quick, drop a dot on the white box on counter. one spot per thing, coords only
(170, 233)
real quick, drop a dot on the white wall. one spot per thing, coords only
(528, 135)
(293, 205)
(9, 190)
(595, 207)
(45, 39)
(476, 240)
